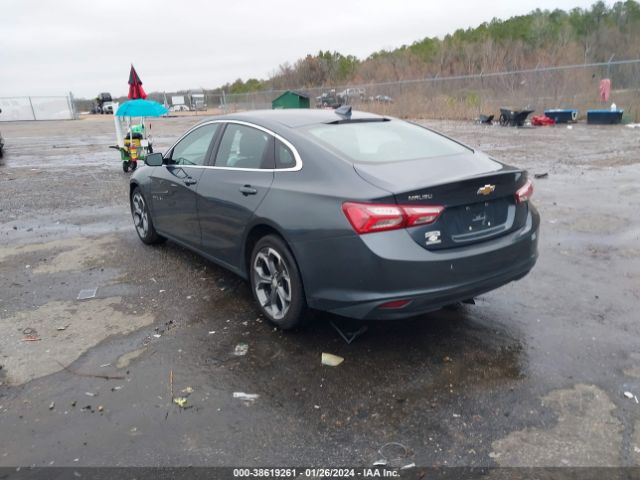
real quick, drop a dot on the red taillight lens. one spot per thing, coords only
(421, 215)
(371, 217)
(395, 304)
(524, 193)
(366, 218)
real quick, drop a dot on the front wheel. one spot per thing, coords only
(142, 219)
(276, 283)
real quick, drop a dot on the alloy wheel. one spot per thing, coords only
(140, 214)
(272, 282)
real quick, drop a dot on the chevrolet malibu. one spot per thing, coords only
(352, 213)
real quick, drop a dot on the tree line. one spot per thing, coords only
(540, 38)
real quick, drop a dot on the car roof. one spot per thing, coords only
(296, 117)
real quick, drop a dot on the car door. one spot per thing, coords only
(231, 191)
(173, 185)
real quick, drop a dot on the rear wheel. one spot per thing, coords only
(276, 283)
(142, 219)
(125, 166)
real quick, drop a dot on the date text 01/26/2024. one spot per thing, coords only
(315, 472)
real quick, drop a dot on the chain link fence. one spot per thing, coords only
(467, 96)
(37, 108)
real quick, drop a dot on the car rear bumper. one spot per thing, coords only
(353, 276)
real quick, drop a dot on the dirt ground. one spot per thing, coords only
(533, 374)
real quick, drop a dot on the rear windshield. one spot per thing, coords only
(389, 141)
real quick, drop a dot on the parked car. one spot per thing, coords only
(356, 214)
(328, 100)
(383, 99)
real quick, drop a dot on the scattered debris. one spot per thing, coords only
(104, 365)
(456, 415)
(493, 455)
(90, 394)
(100, 408)
(247, 397)
(349, 336)
(395, 455)
(180, 401)
(447, 360)
(62, 328)
(87, 293)
(29, 331)
(212, 332)
(52, 405)
(116, 388)
(485, 119)
(31, 338)
(331, 360)
(628, 394)
(541, 175)
(156, 335)
(187, 390)
(241, 349)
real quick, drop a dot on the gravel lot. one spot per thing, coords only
(534, 374)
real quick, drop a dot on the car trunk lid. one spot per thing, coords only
(477, 193)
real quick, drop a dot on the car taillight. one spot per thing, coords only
(372, 217)
(524, 193)
(422, 215)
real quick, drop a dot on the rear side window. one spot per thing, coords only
(284, 156)
(244, 147)
(378, 142)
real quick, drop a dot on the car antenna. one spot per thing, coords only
(344, 111)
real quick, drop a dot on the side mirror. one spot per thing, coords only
(154, 160)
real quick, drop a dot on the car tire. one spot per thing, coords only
(142, 220)
(273, 266)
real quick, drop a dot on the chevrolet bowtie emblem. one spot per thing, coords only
(486, 190)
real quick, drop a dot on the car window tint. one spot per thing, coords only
(391, 141)
(243, 147)
(192, 149)
(284, 156)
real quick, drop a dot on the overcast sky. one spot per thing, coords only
(86, 46)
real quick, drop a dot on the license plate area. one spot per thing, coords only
(479, 220)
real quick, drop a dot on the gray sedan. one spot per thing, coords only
(349, 212)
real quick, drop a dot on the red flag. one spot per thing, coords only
(135, 85)
(605, 89)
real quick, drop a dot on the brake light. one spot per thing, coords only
(524, 193)
(371, 217)
(422, 215)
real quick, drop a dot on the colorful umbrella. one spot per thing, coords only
(135, 85)
(141, 108)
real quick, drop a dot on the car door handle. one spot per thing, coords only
(248, 190)
(190, 181)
